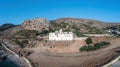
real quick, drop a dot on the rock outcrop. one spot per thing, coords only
(38, 24)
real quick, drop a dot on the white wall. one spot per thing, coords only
(60, 37)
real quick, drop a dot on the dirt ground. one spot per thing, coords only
(70, 56)
(80, 61)
(72, 48)
(83, 59)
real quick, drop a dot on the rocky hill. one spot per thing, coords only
(38, 24)
(11, 31)
(77, 25)
(6, 26)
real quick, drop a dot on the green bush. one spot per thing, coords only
(67, 30)
(84, 48)
(91, 48)
(87, 48)
(17, 41)
(51, 29)
(22, 43)
(97, 31)
(101, 44)
(0, 44)
(25, 41)
(89, 41)
(78, 33)
(43, 33)
(95, 47)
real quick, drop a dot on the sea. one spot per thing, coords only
(116, 64)
(8, 63)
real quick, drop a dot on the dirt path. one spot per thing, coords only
(54, 61)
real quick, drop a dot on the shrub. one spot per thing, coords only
(17, 41)
(104, 43)
(87, 48)
(21, 44)
(78, 33)
(43, 33)
(0, 44)
(25, 41)
(97, 31)
(89, 41)
(95, 47)
(51, 29)
(67, 30)
(83, 48)
(28, 33)
(90, 48)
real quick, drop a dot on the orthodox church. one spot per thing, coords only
(60, 36)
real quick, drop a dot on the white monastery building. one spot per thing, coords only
(61, 36)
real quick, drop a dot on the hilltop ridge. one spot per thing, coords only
(75, 25)
(91, 22)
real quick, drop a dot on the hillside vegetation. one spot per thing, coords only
(77, 29)
(76, 25)
(92, 23)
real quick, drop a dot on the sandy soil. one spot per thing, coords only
(74, 47)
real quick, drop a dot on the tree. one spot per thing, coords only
(17, 41)
(44, 32)
(89, 41)
(84, 48)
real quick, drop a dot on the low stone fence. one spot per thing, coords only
(58, 43)
(80, 38)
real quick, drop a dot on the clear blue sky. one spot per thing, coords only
(16, 11)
